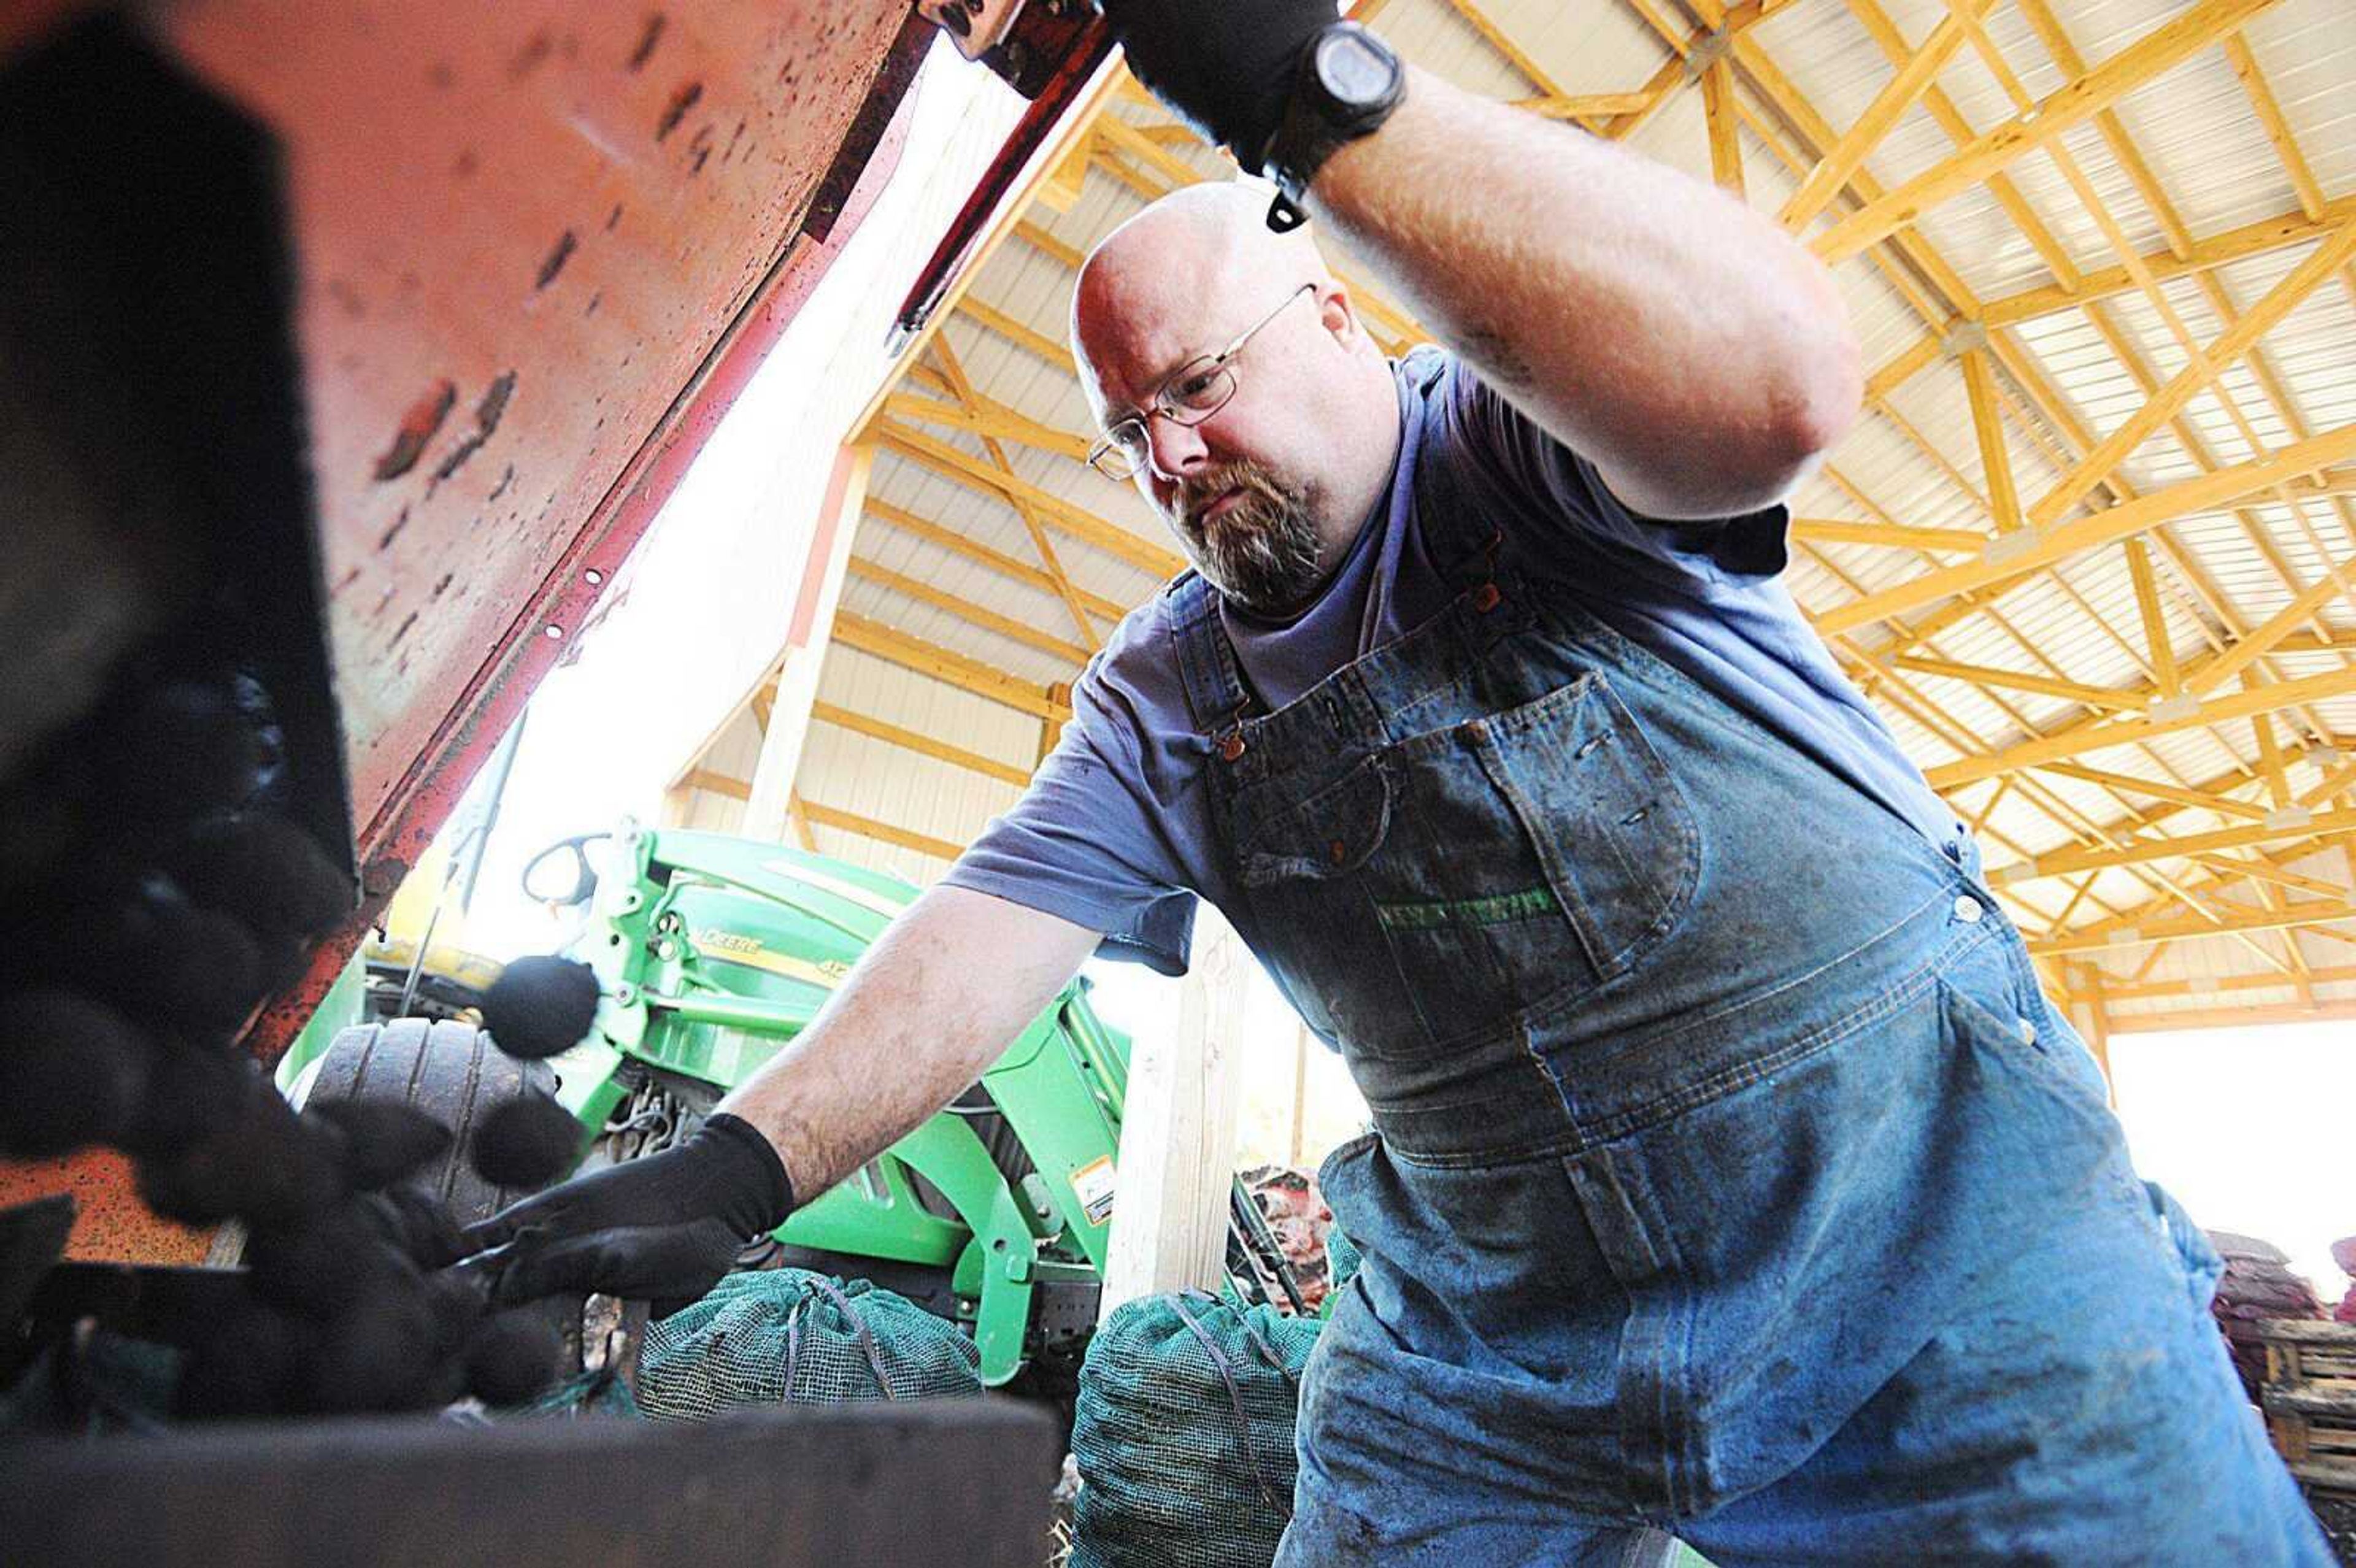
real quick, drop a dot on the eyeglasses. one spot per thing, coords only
(1189, 395)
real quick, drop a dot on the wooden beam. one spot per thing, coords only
(1724, 126)
(881, 832)
(1903, 366)
(2184, 715)
(719, 783)
(1046, 244)
(1176, 1162)
(1498, 40)
(2289, 918)
(1051, 352)
(988, 419)
(2021, 553)
(910, 740)
(2330, 641)
(2329, 975)
(2160, 50)
(2204, 369)
(1987, 429)
(1584, 105)
(2229, 868)
(2334, 780)
(2232, 1018)
(2270, 758)
(998, 562)
(1061, 190)
(1121, 136)
(1897, 95)
(1840, 531)
(2021, 680)
(1911, 256)
(2155, 636)
(972, 614)
(2182, 795)
(2089, 1013)
(1986, 812)
(2064, 52)
(2279, 232)
(2276, 630)
(2279, 132)
(975, 473)
(962, 386)
(937, 662)
(2139, 851)
(1959, 130)
(803, 659)
(798, 820)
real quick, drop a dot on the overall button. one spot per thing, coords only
(1230, 747)
(1967, 908)
(1486, 598)
(2027, 1032)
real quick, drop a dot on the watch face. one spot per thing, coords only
(1352, 69)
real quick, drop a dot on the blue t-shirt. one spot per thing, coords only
(1116, 832)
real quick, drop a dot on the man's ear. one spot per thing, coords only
(1337, 314)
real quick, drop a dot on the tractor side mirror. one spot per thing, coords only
(562, 873)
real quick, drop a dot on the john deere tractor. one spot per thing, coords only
(712, 952)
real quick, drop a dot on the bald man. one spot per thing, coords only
(1729, 1176)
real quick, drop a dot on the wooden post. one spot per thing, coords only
(1178, 1133)
(2092, 1021)
(768, 813)
(1300, 1092)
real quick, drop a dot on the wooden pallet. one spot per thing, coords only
(2309, 1397)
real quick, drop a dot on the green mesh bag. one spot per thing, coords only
(1183, 1433)
(791, 1337)
(586, 1395)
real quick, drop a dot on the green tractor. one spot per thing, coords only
(712, 952)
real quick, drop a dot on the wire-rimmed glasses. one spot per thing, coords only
(1188, 395)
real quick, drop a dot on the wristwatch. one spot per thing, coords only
(1349, 83)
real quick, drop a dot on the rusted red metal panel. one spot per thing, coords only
(392, 843)
(522, 230)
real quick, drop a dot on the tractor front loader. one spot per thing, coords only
(712, 953)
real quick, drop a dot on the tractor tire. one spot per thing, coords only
(449, 1070)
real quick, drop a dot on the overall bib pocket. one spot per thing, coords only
(1503, 864)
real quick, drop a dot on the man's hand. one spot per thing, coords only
(665, 1228)
(1226, 67)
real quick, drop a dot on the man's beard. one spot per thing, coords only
(1262, 552)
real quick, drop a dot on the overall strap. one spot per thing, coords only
(1216, 698)
(1458, 531)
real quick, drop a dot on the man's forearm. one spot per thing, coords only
(1696, 354)
(932, 1003)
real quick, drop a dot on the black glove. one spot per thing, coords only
(1225, 67)
(665, 1228)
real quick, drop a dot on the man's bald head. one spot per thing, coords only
(1196, 252)
(1310, 425)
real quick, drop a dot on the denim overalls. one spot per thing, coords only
(1731, 1176)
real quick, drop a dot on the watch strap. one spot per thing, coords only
(1311, 131)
